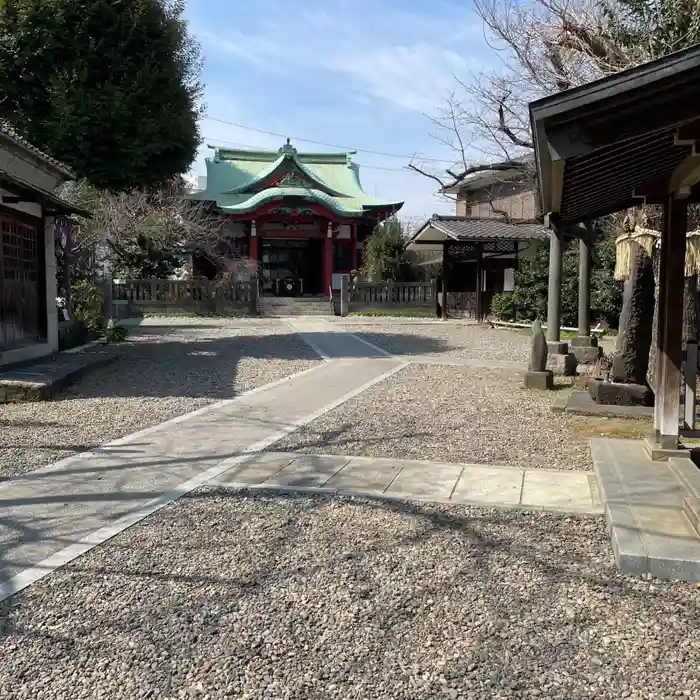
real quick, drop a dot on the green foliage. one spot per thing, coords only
(385, 256)
(87, 301)
(503, 306)
(115, 332)
(140, 257)
(532, 279)
(109, 87)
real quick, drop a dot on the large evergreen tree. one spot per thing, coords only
(109, 87)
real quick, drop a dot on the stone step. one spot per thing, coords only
(687, 473)
(691, 510)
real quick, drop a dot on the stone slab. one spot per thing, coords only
(661, 454)
(563, 364)
(584, 341)
(687, 473)
(308, 470)
(365, 474)
(430, 481)
(557, 489)
(586, 354)
(541, 381)
(557, 347)
(580, 403)
(257, 469)
(644, 508)
(480, 484)
(39, 381)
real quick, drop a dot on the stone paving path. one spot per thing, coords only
(442, 482)
(54, 514)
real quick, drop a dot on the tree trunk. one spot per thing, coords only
(635, 332)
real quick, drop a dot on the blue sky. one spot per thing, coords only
(356, 73)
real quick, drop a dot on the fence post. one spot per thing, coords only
(254, 294)
(691, 375)
(390, 291)
(344, 294)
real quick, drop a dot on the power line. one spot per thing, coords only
(255, 148)
(322, 143)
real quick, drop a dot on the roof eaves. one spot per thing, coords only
(11, 135)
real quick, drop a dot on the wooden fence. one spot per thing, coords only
(369, 296)
(138, 297)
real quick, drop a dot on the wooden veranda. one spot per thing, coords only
(626, 140)
(479, 258)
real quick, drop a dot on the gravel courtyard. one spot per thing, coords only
(453, 414)
(228, 595)
(160, 372)
(467, 341)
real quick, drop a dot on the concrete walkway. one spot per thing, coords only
(52, 515)
(419, 480)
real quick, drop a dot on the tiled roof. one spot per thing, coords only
(7, 131)
(462, 228)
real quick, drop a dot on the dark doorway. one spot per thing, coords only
(290, 266)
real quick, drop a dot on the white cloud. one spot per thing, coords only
(404, 58)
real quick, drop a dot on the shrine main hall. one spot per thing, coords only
(303, 217)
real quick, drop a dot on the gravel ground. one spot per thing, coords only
(227, 596)
(452, 339)
(454, 414)
(161, 372)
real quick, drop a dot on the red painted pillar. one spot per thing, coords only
(328, 260)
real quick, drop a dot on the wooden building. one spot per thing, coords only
(30, 219)
(302, 217)
(479, 258)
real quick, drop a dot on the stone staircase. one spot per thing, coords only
(294, 306)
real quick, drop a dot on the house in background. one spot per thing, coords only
(31, 216)
(301, 217)
(479, 246)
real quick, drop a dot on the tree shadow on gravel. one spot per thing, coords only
(161, 364)
(489, 540)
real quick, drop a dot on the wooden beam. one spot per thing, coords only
(671, 269)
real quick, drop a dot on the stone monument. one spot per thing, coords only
(537, 375)
(627, 383)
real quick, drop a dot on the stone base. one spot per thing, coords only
(557, 347)
(586, 354)
(580, 403)
(613, 393)
(584, 341)
(539, 380)
(664, 451)
(565, 364)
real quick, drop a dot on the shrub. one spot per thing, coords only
(503, 306)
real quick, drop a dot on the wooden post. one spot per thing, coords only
(328, 261)
(390, 291)
(671, 270)
(691, 378)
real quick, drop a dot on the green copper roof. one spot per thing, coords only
(334, 181)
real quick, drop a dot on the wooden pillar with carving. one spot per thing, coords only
(328, 260)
